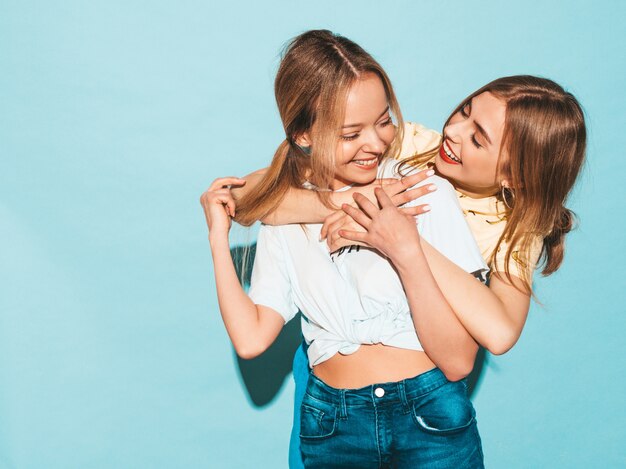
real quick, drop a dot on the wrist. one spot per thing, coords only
(343, 197)
(406, 257)
(218, 239)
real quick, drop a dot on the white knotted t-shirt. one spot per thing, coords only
(354, 296)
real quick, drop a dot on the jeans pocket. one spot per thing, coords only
(317, 419)
(444, 411)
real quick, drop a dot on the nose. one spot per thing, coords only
(457, 131)
(454, 131)
(374, 144)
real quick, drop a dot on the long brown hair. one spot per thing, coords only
(311, 87)
(542, 152)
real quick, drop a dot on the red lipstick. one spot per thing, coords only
(446, 158)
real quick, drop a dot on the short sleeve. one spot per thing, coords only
(519, 263)
(445, 228)
(270, 284)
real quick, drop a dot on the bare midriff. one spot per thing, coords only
(372, 364)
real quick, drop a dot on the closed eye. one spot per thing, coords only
(475, 142)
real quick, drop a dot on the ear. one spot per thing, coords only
(505, 183)
(303, 140)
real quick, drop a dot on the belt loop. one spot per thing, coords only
(343, 412)
(402, 392)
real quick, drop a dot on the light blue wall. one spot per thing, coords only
(115, 116)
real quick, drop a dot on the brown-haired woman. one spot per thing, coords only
(374, 396)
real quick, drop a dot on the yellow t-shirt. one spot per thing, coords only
(485, 216)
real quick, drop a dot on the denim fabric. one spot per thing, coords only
(301, 377)
(422, 422)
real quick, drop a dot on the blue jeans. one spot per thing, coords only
(424, 422)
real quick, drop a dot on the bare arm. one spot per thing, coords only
(494, 315)
(252, 328)
(299, 206)
(442, 335)
(304, 206)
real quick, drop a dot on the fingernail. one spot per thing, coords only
(432, 188)
(430, 172)
(426, 208)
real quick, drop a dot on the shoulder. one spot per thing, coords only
(289, 237)
(442, 184)
(489, 207)
(415, 130)
(418, 139)
(445, 190)
(274, 234)
(388, 168)
(444, 195)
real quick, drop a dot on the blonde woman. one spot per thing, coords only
(377, 395)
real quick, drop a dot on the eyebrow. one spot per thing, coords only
(358, 125)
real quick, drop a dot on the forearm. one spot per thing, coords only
(249, 334)
(298, 205)
(442, 335)
(305, 206)
(494, 321)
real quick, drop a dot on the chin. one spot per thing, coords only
(365, 178)
(440, 166)
(447, 171)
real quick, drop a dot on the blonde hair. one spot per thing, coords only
(311, 88)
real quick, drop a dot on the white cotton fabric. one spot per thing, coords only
(355, 296)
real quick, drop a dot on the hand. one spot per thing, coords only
(336, 222)
(219, 205)
(399, 190)
(387, 229)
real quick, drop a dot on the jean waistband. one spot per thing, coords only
(377, 394)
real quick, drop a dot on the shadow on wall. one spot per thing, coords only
(264, 375)
(476, 376)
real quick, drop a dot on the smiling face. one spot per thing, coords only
(366, 133)
(470, 150)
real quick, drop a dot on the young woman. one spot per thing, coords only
(513, 149)
(374, 397)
